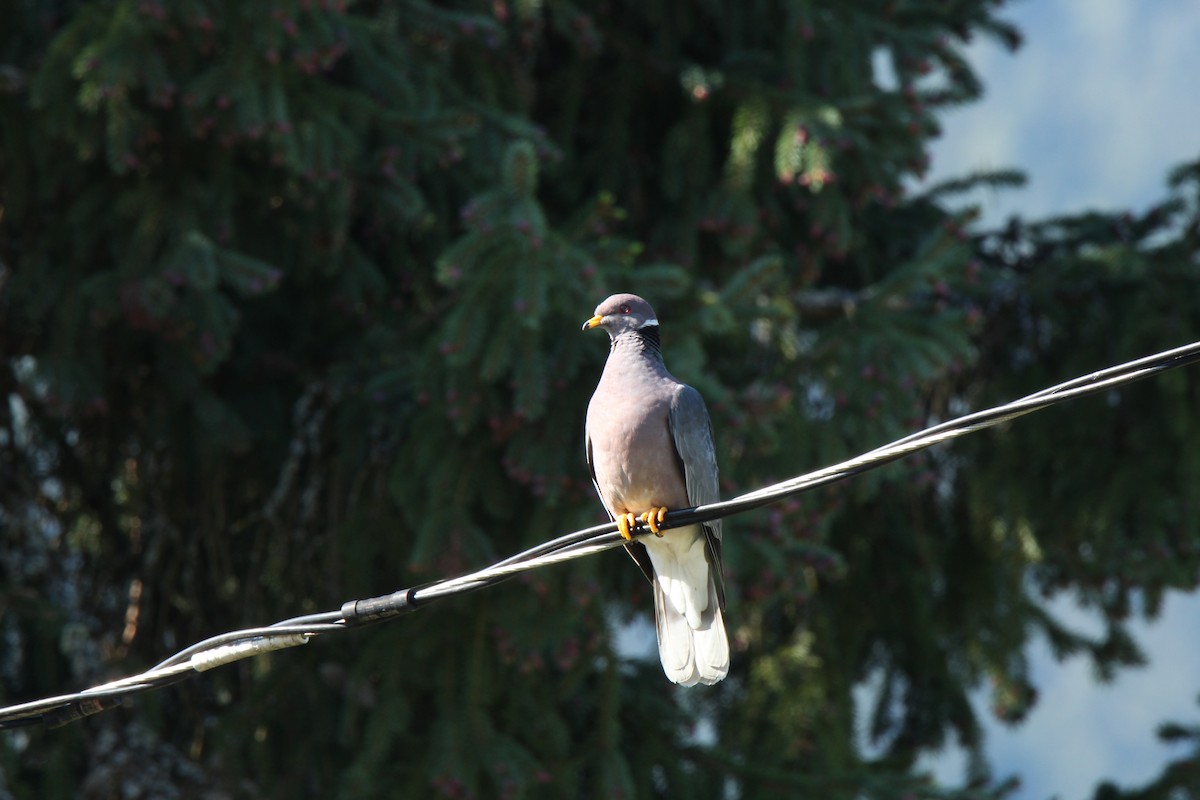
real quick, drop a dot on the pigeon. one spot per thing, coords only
(650, 448)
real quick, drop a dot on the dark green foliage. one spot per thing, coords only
(289, 303)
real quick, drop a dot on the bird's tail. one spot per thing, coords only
(690, 653)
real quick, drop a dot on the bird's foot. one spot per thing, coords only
(654, 518)
(625, 523)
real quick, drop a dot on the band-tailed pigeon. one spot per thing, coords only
(650, 448)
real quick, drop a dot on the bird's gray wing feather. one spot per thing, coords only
(691, 430)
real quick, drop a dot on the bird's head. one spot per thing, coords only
(623, 313)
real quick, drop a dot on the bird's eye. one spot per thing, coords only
(624, 309)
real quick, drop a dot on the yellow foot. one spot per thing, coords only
(654, 518)
(624, 523)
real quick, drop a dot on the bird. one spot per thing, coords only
(650, 448)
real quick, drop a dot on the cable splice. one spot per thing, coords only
(374, 609)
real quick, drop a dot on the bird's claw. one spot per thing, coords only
(654, 518)
(626, 522)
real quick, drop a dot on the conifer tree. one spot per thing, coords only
(289, 296)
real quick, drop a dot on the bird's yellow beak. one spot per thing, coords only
(594, 322)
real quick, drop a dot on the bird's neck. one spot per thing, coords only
(643, 340)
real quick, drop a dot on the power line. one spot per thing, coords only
(230, 647)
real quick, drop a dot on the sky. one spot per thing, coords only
(1097, 106)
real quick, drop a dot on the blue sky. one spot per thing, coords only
(1098, 106)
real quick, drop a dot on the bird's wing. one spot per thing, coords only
(636, 551)
(691, 430)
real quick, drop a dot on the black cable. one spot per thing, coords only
(228, 647)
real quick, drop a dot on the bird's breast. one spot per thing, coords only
(633, 454)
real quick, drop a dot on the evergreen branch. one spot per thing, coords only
(992, 179)
(820, 305)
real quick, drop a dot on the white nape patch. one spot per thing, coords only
(648, 323)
